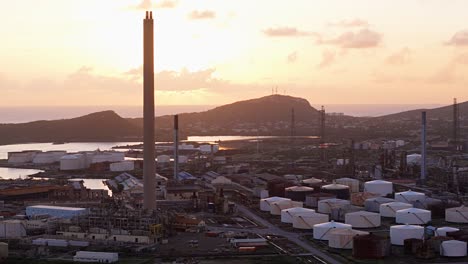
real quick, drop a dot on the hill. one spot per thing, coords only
(100, 126)
(443, 113)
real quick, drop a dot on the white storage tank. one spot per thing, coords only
(413, 216)
(276, 207)
(399, 233)
(183, 159)
(373, 204)
(325, 206)
(339, 190)
(379, 186)
(307, 220)
(12, 229)
(126, 165)
(442, 231)
(453, 248)
(390, 209)
(363, 219)
(413, 159)
(457, 214)
(73, 162)
(288, 214)
(312, 182)
(353, 184)
(265, 203)
(410, 197)
(163, 159)
(48, 157)
(322, 231)
(343, 238)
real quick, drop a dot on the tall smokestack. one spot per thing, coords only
(423, 147)
(149, 168)
(176, 147)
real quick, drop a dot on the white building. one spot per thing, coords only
(126, 165)
(100, 257)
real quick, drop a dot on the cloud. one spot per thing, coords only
(292, 57)
(328, 57)
(148, 4)
(285, 32)
(400, 57)
(461, 59)
(459, 39)
(361, 39)
(205, 14)
(350, 23)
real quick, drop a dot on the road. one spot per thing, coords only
(274, 230)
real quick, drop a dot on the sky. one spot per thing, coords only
(211, 52)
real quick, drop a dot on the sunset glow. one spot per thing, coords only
(213, 52)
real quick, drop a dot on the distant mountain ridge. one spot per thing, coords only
(269, 115)
(100, 126)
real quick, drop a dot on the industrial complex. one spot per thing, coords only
(286, 199)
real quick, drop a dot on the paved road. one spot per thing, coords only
(274, 230)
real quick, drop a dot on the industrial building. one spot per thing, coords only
(99, 257)
(55, 211)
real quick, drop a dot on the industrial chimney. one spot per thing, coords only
(423, 147)
(176, 147)
(149, 167)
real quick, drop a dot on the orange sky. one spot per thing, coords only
(211, 52)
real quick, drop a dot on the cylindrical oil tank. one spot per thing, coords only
(322, 231)
(265, 203)
(298, 193)
(343, 238)
(390, 209)
(72, 162)
(276, 207)
(308, 220)
(341, 191)
(457, 215)
(363, 219)
(288, 214)
(360, 198)
(453, 248)
(436, 206)
(379, 186)
(399, 233)
(313, 182)
(458, 235)
(338, 213)
(435, 242)
(442, 231)
(411, 245)
(276, 187)
(353, 184)
(370, 247)
(410, 197)
(413, 216)
(313, 199)
(163, 159)
(373, 204)
(325, 206)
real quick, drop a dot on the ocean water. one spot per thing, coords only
(20, 114)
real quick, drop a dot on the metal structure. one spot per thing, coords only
(176, 147)
(322, 133)
(149, 166)
(456, 123)
(423, 147)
